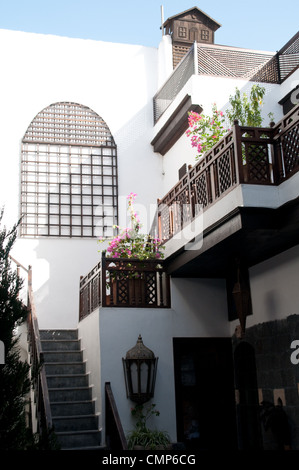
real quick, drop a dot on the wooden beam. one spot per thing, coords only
(176, 125)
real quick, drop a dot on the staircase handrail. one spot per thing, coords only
(45, 417)
(36, 355)
(122, 441)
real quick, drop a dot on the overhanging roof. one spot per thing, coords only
(217, 25)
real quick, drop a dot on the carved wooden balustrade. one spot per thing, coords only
(121, 282)
(245, 155)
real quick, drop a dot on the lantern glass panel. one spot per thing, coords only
(134, 377)
(143, 377)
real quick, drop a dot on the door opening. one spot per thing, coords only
(205, 399)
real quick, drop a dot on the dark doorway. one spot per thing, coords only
(205, 400)
(248, 406)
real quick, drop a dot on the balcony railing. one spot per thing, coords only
(245, 155)
(224, 61)
(124, 283)
(177, 80)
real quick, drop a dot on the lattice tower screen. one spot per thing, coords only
(68, 174)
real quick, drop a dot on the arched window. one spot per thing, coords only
(68, 174)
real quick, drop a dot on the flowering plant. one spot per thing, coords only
(205, 131)
(130, 243)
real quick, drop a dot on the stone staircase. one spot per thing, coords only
(73, 413)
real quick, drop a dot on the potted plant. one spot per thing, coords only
(144, 438)
(129, 254)
(131, 243)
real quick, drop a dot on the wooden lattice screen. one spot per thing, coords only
(68, 174)
(249, 64)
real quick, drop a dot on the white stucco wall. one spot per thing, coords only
(289, 84)
(165, 68)
(117, 81)
(88, 333)
(274, 287)
(198, 310)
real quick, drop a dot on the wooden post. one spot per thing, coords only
(161, 289)
(81, 313)
(238, 152)
(278, 171)
(103, 280)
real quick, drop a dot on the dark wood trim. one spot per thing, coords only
(115, 436)
(126, 283)
(213, 235)
(41, 392)
(251, 234)
(291, 41)
(175, 126)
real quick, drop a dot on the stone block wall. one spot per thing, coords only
(277, 375)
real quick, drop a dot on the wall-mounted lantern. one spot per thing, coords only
(140, 367)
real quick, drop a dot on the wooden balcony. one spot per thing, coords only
(246, 155)
(121, 282)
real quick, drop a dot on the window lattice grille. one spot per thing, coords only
(68, 123)
(68, 174)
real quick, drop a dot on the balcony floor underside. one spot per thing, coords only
(250, 234)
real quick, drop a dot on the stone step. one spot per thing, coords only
(61, 345)
(74, 408)
(62, 356)
(58, 334)
(73, 439)
(75, 423)
(66, 368)
(68, 380)
(70, 394)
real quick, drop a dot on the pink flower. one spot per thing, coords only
(131, 197)
(193, 118)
